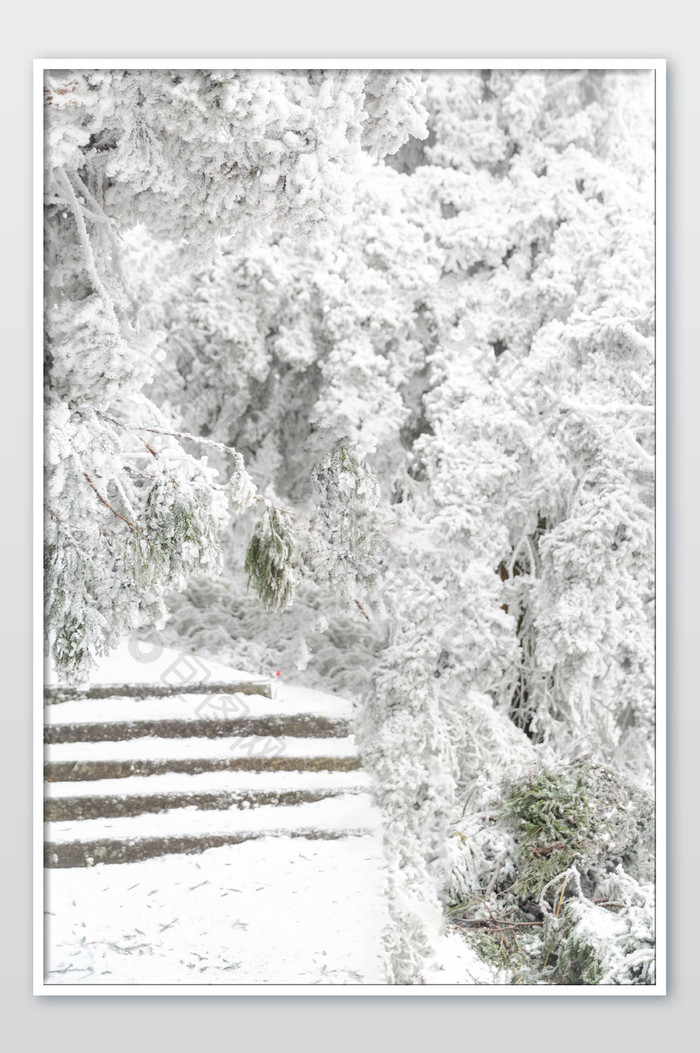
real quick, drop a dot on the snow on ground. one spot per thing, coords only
(140, 662)
(134, 663)
(275, 911)
(456, 963)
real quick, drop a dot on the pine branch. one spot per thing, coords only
(148, 446)
(190, 438)
(106, 503)
(498, 925)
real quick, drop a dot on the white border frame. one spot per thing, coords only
(40, 987)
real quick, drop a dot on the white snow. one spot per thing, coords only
(345, 812)
(456, 963)
(149, 748)
(273, 911)
(212, 782)
(139, 662)
(134, 663)
(289, 702)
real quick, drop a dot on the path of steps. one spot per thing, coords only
(138, 771)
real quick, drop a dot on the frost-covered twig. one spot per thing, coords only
(603, 410)
(639, 957)
(100, 216)
(190, 438)
(496, 871)
(85, 240)
(122, 493)
(106, 503)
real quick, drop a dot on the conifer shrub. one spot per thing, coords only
(577, 906)
(582, 814)
(269, 559)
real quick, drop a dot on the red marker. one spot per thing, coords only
(277, 673)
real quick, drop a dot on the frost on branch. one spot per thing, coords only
(405, 746)
(269, 560)
(394, 104)
(343, 527)
(196, 155)
(206, 154)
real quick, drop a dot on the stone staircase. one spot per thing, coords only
(143, 770)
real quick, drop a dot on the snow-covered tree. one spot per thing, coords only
(192, 156)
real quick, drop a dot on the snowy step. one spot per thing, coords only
(88, 854)
(195, 748)
(290, 701)
(344, 811)
(54, 695)
(297, 725)
(89, 770)
(143, 836)
(72, 808)
(77, 761)
(213, 782)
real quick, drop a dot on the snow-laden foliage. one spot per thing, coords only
(563, 861)
(610, 941)
(210, 153)
(269, 559)
(343, 529)
(404, 745)
(192, 156)
(441, 362)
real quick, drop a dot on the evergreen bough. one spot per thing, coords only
(269, 560)
(578, 839)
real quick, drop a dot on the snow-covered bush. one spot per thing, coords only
(567, 856)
